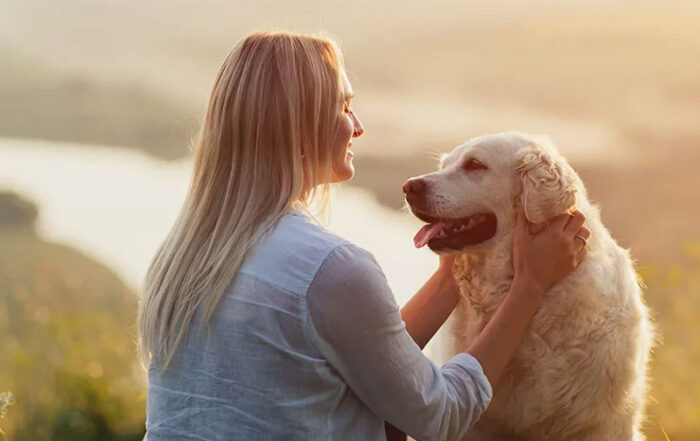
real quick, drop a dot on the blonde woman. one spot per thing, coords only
(259, 324)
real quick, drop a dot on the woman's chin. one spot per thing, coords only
(344, 173)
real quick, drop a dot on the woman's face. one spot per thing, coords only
(349, 127)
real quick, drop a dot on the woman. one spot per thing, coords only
(258, 323)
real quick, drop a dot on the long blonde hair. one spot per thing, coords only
(264, 146)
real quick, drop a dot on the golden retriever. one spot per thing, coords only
(580, 371)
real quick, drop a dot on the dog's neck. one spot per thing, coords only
(486, 273)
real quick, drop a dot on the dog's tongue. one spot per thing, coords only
(426, 233)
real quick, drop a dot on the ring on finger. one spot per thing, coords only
(585, 241)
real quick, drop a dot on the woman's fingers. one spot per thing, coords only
(584, 232)
(547, 257)
(580, 255)
(582, 236)
(558, 223)
(574, 222)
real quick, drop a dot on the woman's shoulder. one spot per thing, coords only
(304, 232)
(293, 251)
(338, 251)
(351, 266)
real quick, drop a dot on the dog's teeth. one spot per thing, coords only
(477, 219)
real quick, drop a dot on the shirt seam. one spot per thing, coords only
(305, 309)
(270, 283)
(336, 243)
(309, 328)
(306, 283)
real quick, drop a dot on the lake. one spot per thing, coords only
(116, 205)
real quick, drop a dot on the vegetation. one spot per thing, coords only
(66, 340)
(6, 401)
(674, 294)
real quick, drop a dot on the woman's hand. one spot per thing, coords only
(540, 261)
(446, 263)
(543, 259)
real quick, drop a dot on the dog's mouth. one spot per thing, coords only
(455, 234)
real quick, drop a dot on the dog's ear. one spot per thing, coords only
(548, 183)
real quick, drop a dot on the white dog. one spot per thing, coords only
(580, 371)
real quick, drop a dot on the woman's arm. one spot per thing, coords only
(539, 262)
(355, 322)
(432, 304)
(426, 312)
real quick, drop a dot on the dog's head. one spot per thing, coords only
(469, 202)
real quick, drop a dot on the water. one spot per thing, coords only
(117, 205)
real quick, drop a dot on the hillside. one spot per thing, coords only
(66, 342)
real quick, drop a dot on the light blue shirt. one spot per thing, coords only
(308, 344)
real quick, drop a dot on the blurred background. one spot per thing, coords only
(98, 101)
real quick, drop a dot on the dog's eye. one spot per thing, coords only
(473, 164)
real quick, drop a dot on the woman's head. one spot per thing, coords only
(274, 115)
(276, 131)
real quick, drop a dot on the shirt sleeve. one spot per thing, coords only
(357, 325)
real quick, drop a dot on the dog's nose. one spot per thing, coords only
(414, 186)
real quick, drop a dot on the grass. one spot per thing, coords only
(67, 333)
(6, 400)
(664, 432)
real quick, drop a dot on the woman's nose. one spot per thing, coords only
(357, 126)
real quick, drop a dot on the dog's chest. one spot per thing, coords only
(483, 284)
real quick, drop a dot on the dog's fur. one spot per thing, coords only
(580, 371)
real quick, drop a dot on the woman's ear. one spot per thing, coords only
(547, 182)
